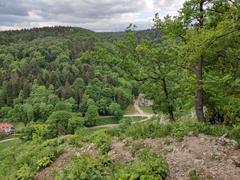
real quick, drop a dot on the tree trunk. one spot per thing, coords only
(199, 91)
(170, 107)
(198, 100)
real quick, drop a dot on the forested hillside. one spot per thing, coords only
(78, 94)
(61, 69)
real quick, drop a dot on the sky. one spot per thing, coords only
(97, 15)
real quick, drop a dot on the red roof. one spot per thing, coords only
(5, 125)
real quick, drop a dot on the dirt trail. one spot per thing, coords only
(6, 140)
(59, 164)
(140, 113)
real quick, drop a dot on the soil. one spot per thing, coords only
(207, 157)
(210, 158)
(62, 161)
(59, 164)
(119, 153)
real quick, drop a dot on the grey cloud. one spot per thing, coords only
(13, 7)
(90, 13)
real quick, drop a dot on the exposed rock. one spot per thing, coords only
(89, 148)
(210, 157)
(119, 153)
(226, 142)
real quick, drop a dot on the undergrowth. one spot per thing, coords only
(147, 166)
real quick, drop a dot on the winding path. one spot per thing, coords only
(139, 113)
(6, 140)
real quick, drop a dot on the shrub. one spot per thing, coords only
(4, 112)
(86, 167)
(24, 173)
(147, 166)
(148, 129)
(37, 132)
(124, 124)
(182, 128)
(114, 131)
(213, 130)
(44, 162)
(102, 140)
(235, 133)
(3, 135)
(27, 132)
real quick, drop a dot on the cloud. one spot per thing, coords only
(99, 15)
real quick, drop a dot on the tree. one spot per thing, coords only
(116, 111)
(91, 115)
(78, 90)
(122, 97)
(103, 105)
(58, 122)
(195, 31)
(150, 62)
(63, 106)
(75, 123)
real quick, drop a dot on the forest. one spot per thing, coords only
(60, 83)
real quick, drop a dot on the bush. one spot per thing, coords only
(235, 133)
(182, 128)
(147, 166)
(4, 112)
(3, 135)
(178, 129)
(37, 132)
(24, 173)
(148, 130)
(27, 132)
(44, 162)
(124, 124)
(23, 160)
(86, 167)
(102, 140)
(213, 130)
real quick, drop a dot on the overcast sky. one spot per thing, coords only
(97, 15)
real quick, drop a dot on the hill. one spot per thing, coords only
(70, 87)
(27, 35)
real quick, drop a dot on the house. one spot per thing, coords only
(6, 127)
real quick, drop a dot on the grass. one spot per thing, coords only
(7, 144)
(106, 120)
(23, 159)
(147, 109)
(19, 126)
(134, 118)
(130, 109)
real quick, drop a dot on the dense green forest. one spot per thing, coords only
(62, 80)
(70, 73)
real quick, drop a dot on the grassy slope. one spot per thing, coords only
(14, 155)
(8, 144)
(147, 109)
(130, 110)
